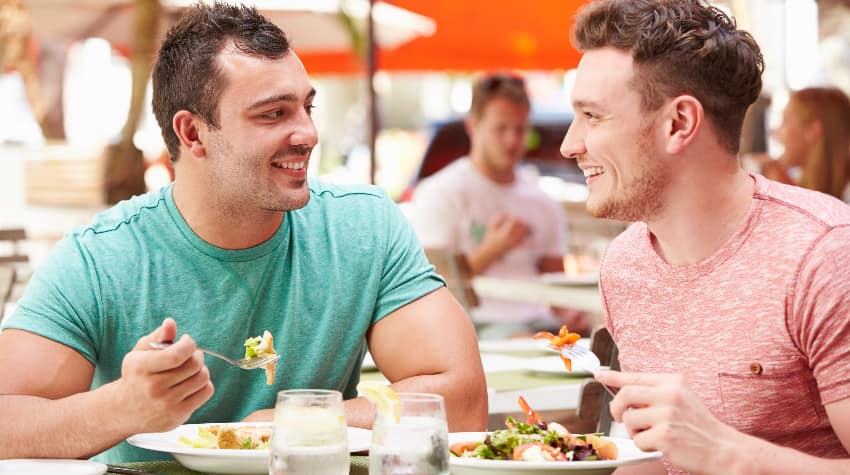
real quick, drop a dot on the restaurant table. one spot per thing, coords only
(508, 374)
(578, 296)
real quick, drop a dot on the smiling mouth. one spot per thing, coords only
(290, 165)
(593, 171)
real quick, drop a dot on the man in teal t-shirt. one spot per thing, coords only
(239, 244)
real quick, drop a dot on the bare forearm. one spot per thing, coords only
(753, 456)
(481, 258)
(465, 395)
(77, 426)
(651, 468)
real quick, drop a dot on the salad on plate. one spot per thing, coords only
(537, 441)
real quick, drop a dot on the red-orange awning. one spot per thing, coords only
(475, 35)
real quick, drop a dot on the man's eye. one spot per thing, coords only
(275, 114)
(309, 108)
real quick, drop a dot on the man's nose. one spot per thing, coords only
(305, 132)
(573, 144)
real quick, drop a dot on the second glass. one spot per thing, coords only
(309, 434)
(418, 444)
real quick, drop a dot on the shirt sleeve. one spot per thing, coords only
(407, 275)
(61, 301)
(819, 313)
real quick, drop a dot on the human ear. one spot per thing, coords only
(469, 125)
(685, 116)
(186, 126)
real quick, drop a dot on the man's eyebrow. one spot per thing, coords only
(282, 98)
(584, 104)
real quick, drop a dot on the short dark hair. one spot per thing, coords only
(681, 47)
(187, 76)
(501, 84)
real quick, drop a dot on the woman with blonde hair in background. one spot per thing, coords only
(815, 131)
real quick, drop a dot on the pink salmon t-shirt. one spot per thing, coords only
(760, 330)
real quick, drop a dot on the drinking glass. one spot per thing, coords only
(309, 434)
(418, 444)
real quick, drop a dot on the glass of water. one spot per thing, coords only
(418, 444)
(309, 434)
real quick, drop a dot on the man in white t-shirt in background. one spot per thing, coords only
(490, 209)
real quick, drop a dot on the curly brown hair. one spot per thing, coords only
(187, 76)
(681, 47)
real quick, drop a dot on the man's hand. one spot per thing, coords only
(505, 232)
(162, 388)
(661, 413)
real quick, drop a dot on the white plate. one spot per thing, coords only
(223, 460)
(552, 365)
(560, 278)
(629, 454)
(51, 467)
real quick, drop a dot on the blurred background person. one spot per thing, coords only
(490, 209)
(815, 132)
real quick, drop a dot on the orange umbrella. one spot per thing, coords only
(475, 35)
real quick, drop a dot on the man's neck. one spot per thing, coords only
(220, 224)
(504, 177)
(702, 212)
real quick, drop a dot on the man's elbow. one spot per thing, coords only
(468, 407)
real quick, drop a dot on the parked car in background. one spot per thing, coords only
(449, 142)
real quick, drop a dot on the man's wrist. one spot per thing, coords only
(111, 403)
(732, 453)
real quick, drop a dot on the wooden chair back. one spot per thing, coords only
(7, 283)
(593, 398)
(454, 268)
(10, 249)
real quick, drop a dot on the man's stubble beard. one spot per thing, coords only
(236, 192)
(640, 198)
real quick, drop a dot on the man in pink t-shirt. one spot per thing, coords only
(729, 298)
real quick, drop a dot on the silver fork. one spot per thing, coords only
(244, 363)
(582, 358)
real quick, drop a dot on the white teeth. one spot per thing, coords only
(592, 171)
(290, 165)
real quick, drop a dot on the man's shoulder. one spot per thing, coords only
(803, 205)
(124, 215)
(629, 243)
(455, 173)
(334, 193)
(343, 201)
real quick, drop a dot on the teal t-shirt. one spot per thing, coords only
(334, 268)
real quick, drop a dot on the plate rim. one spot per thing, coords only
(137, 441)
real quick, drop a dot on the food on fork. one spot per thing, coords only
(261, 347)
(562, 339)
(229, 437)
(537, 441)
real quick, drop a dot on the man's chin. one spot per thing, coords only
(292, 200)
